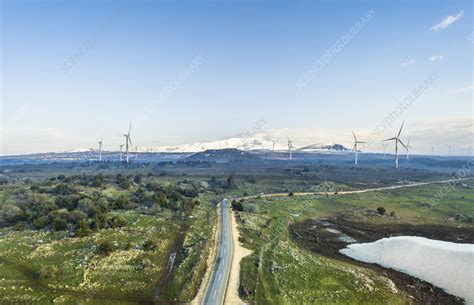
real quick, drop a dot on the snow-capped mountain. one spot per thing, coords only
(240, 142)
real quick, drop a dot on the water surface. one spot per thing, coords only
(444, 264)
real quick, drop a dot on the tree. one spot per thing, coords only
(381, 210)
(82, 229)
(59, 224)
(98, 180)
(231, 184)
(237, 205)
(41, 222)
(138, 178)
(123, 181)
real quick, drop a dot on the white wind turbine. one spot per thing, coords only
(290, 147)
(128, 141)
(397, 140)
(432, 150)
(450, 148)
(384, 146)
(121, 152)
(100, 149)
(408, 147)
(355, 146)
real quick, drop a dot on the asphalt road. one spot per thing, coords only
(217, 285)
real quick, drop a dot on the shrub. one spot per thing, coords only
(59, 224)
(237, 205)
(105, 247)
(48, 272)
(381, 210)
(149, 245)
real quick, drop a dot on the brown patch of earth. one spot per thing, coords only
(326, 236)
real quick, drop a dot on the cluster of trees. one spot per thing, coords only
(64, 203)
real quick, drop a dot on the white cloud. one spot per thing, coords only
(447, 21)
(436, 58)
(408, 63)
(462, 90)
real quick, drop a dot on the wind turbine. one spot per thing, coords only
(408, 147)
(128, 142)
(432, 150)
(100, 149)
(121, 150)
(450, 147)
(384, 145)
(136, 152)
(273, 146)
(355, 146)
(290, 147)
(397, 140)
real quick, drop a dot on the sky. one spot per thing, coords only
(194, 71)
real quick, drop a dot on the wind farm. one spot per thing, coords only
(236, 153)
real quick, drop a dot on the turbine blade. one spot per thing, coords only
(402, 143)
(401, 127)
(355, 138)
(394, 138)
(129, 128)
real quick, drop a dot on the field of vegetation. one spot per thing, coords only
(102, 238)
(281, 272)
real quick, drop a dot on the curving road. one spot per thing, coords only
(217, 286)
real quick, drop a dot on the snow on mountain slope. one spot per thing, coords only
(239, 142)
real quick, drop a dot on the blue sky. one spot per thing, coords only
(74, 70)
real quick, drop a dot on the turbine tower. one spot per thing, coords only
(384, 145)
(128, 142)
(450, 147)
(100, 149)
(355, 146)
(290, 147)
(136, 152)
(121, 152)
(432, 150)
(273, 146)
(408, 148)
(397, 140)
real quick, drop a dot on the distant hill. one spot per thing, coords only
(223, 155)
(324, 147)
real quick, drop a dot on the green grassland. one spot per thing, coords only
(131, 226)
(280, 272)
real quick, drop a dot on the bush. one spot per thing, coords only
(82, 229)
(41, 222)
(149, 245)
(48, 272)
(59, 224)
(105, 248)
(123, 181)
(381, 210)
(291, 194)
(237, 206)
